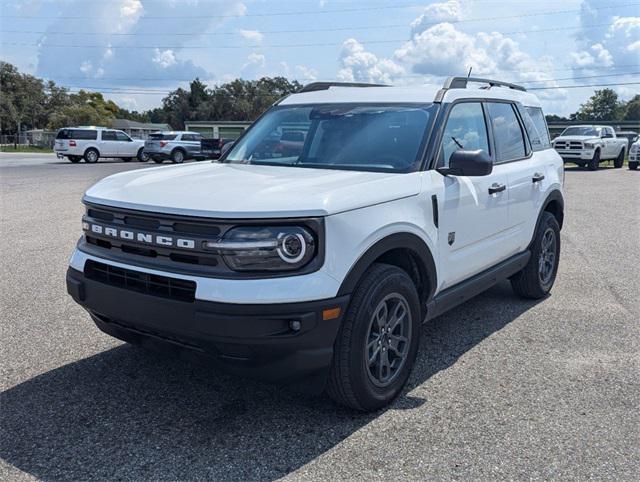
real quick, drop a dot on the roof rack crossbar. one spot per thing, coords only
(461, 83)
(314, 86)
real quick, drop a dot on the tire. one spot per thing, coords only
(633, 165)
(594, 163)
(91, 155)
(177, 156)
(126, 159)
(619, 161)
(75, 159)
(142, 156)
(353, 380)
(536, 279)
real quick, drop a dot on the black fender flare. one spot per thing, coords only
(553, 196)
(404, 240)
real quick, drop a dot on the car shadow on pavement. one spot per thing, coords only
(128, 413)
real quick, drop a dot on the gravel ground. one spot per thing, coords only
(502, 389)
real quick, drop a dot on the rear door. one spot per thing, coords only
(474, 217)
(527, 166)
(191, 143)
(108, 144)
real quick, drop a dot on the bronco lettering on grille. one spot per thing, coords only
(147, 238)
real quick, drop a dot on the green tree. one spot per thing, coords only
(22, 99)
(602, 106)
(632, 109)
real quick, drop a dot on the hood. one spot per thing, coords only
(577, 138)
(245, 191)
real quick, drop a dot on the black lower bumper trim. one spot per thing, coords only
(260, 341)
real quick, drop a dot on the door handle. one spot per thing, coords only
(537, 177)
(495, 188)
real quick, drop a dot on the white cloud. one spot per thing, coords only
(307, 74)
(86, 67)
(443, 50)
(253, 36)
(436, 13)
(254, 66)
(359, 65)
(164, 58)
(596, 56)
(617, 45)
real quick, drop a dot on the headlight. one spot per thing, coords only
(589, 145)
(260, 248)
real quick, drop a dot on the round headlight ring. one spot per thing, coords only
(285, 249)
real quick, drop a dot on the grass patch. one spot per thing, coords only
(25, 149)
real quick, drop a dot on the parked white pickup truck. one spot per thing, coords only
(589, 145)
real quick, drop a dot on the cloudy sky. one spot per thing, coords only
(137, 50)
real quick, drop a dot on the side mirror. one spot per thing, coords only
(606, 135)
(226, 147)
(468, 163)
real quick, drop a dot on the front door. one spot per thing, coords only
(474, 209)
(109, 144)
(126, 147)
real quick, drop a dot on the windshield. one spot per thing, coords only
(337, 136)
(581, 131)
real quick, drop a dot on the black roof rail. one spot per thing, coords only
(314, 86)
(461, 83)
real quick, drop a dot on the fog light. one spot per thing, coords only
(295, 325)
(85, 226)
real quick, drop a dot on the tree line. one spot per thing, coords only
(27, 102)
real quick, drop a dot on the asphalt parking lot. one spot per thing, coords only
(503, 388)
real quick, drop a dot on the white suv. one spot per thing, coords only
(92, 143)
(314, 258)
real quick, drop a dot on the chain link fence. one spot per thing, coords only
(34, 138)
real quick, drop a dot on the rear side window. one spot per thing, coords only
(108, 135)
(77, 134)
(536, 126)
(162, 137)
(465, 129)
(507, 132)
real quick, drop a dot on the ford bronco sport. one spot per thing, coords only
(317, 261)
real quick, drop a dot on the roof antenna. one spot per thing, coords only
(469, 74)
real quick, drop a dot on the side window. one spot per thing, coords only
(121, 136)
(108, 135)
(465, 129)
(537, 129)
(507, 132)
(190, 137)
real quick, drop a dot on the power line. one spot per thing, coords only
(312, 30)
(158, 91)
(560, 87)
(189, 79)
(583, 86)
(323, 12)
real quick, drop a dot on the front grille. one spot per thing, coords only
(568, 145)
(196, 260)
(150, 284)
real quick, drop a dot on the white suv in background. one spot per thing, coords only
(315, 257)
(92, 143)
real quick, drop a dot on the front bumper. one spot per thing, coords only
(572, 156)
(258, 341)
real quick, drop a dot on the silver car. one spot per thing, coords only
(177, 146)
